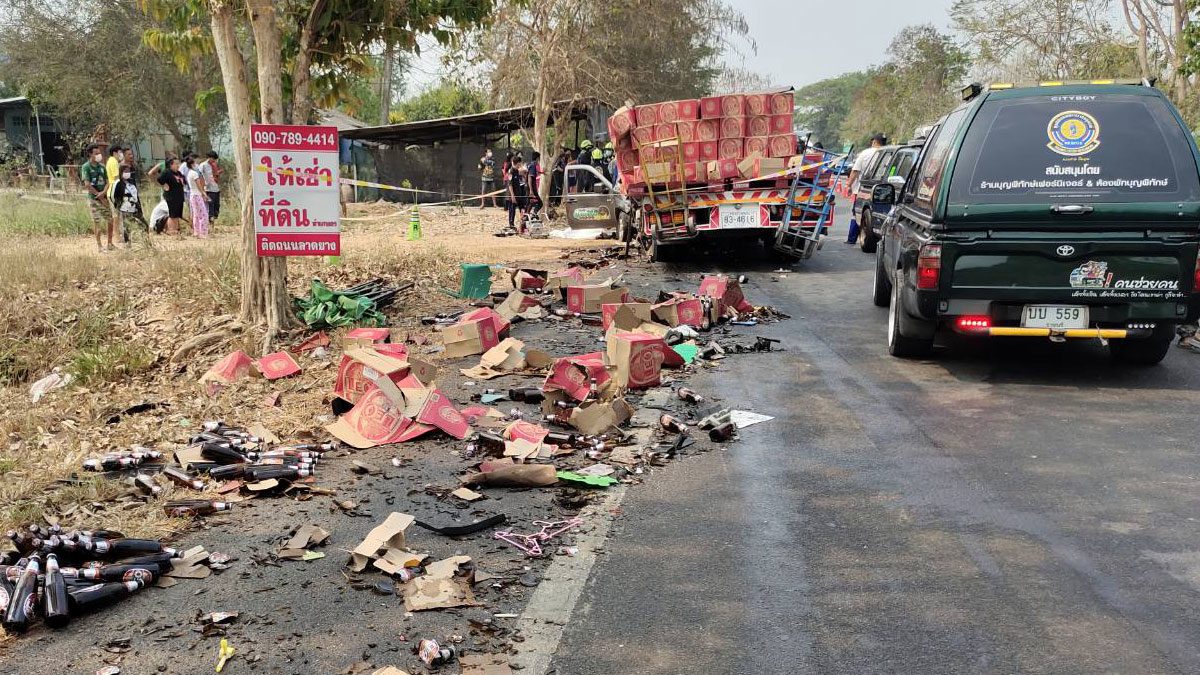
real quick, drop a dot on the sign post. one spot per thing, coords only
(296, 192)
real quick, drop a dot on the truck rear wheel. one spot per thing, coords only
(1143, 351)
(881, 294)
(868, 240)
(900, 344)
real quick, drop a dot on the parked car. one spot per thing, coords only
(892, 162)
(1058, 211)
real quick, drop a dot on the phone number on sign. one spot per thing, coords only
(293, 138)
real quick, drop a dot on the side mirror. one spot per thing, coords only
(883, 193)
(896, 182)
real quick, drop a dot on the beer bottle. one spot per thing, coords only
(55, 611)
(88, 598)
(23, 603)
(143, 573)
(113, 549)
(227, 472)
(672, 424)
(8, 582)
(722, 433)
(688, 395)
(186, 508)
(213, 425)
(406, 574)
(221, 454)
(435, 654)
(257, 473)
(109, 463)
(560, 438)
(147, 485)
(182, 478)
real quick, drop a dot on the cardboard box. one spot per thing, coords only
(226, 371)
(726, 292)
(757, 166)
(665, 131)
(626, 315)
(780, 124)
(730, 148)
(733, 127)
(370, 334)
(759, 125)
(686, 131)
(638, 359)
(528, 279)
(682, 311)
(376, 419)
(691, 152)
(688, 109)
(659, 173)
(733, 105)
(695, 172)
(502, 324)
(710, 108)
(278, 365)
(646, 115)
(590, 298)
(722, 169)
(430, 406)
(668, 112)
(783, 103)
(622, 122)
(755, 145)
(627, 160)
(573, 375)
(643, 135)
(560, 279)
(362, 367)
(783, 145)
(757, 104)
(708, 130)
(708, 151)
(633, 178)
(473, 336)
(597, 417)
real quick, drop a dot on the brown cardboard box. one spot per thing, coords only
(639, 359)
(757, 166)
(723, 169)
(626, 315)
(474, 335)
(597, 417)
(588, 299)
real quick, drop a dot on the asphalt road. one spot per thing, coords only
(1016, 507)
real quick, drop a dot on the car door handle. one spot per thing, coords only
(571, 200)
(1071, 209)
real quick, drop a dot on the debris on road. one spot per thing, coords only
(357, 305)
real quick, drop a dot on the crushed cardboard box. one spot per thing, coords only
(387, 535)
(574, 374)
(626, 315)
(475, 333)
(226, 371)
(440, 587)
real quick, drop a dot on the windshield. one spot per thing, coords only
(1083, 148)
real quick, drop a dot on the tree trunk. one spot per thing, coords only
(302, 103)
(385, 84)
(237, 100)
(269, 295)
(541, 141)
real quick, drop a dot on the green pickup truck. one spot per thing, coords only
(1058, 211)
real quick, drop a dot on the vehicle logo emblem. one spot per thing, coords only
(1066, 250)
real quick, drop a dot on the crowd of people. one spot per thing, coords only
(517, 183)
(190, 182)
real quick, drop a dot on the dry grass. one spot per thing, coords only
(43, 215)
(114, 319)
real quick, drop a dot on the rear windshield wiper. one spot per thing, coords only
(1071, 209)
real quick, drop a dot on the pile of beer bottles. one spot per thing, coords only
(61, 575)
(235, 454)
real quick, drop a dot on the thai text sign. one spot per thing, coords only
(296, 205)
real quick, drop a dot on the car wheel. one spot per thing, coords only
(868, 241)
(1143, 351)
(898, 343)
(883, 286)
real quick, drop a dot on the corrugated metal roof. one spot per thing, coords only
(466, 126)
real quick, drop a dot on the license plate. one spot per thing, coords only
(1056, 317)
(745, 215)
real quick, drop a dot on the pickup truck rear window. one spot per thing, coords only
(1084, 148)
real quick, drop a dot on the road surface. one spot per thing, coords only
(1013, 508)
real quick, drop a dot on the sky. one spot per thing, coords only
(799, 41)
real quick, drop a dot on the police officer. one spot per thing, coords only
(610, 162)
(586, 178)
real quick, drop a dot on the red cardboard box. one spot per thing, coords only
(487, 313)
(710, 108)
(633, 178)
(781, 124)
(758, 104)
(377, 419)
(572, 375)
(681, 311)
(646, 115)
(560, 279)
(727, 292)
(665, 131)
(733, 105)
(529, 280)
(708, 130)
(587, 299)
(782, 103)
(691, 152)
(362, 367)
(626, 160)
(430, 406)
(708, 151)
(756, 166)
(689, 109)
(370, 334)
(475, 333)
(277, 365)
(730, 148)
(648, 154)
(639, 358)
(643, 135)
(686, 130)
(632, 314)
(756, 145)
(722, 169)
(695, 172)
(733, 127)
(622, 122)
(525, 431)
(783, 145)
(759, 125)
(226, 371)
(668, 112)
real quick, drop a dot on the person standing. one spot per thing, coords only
(557, 175)
(197, 198)
(129, 205)
(861, 163)
(112, 169)
(95, 180)
(517, 191)
(172, 182)
(487, 177)
(211, 172)
(535, 182)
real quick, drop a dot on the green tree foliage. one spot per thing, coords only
(919, 82)
(447, 99)
(822, 107)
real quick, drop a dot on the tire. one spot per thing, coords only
(881, 295)
(867, 240)
(1143, 351)
(899, 344)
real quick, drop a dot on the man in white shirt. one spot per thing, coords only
(211, 172)
(860, 165)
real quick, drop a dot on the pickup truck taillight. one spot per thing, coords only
(929, 267)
